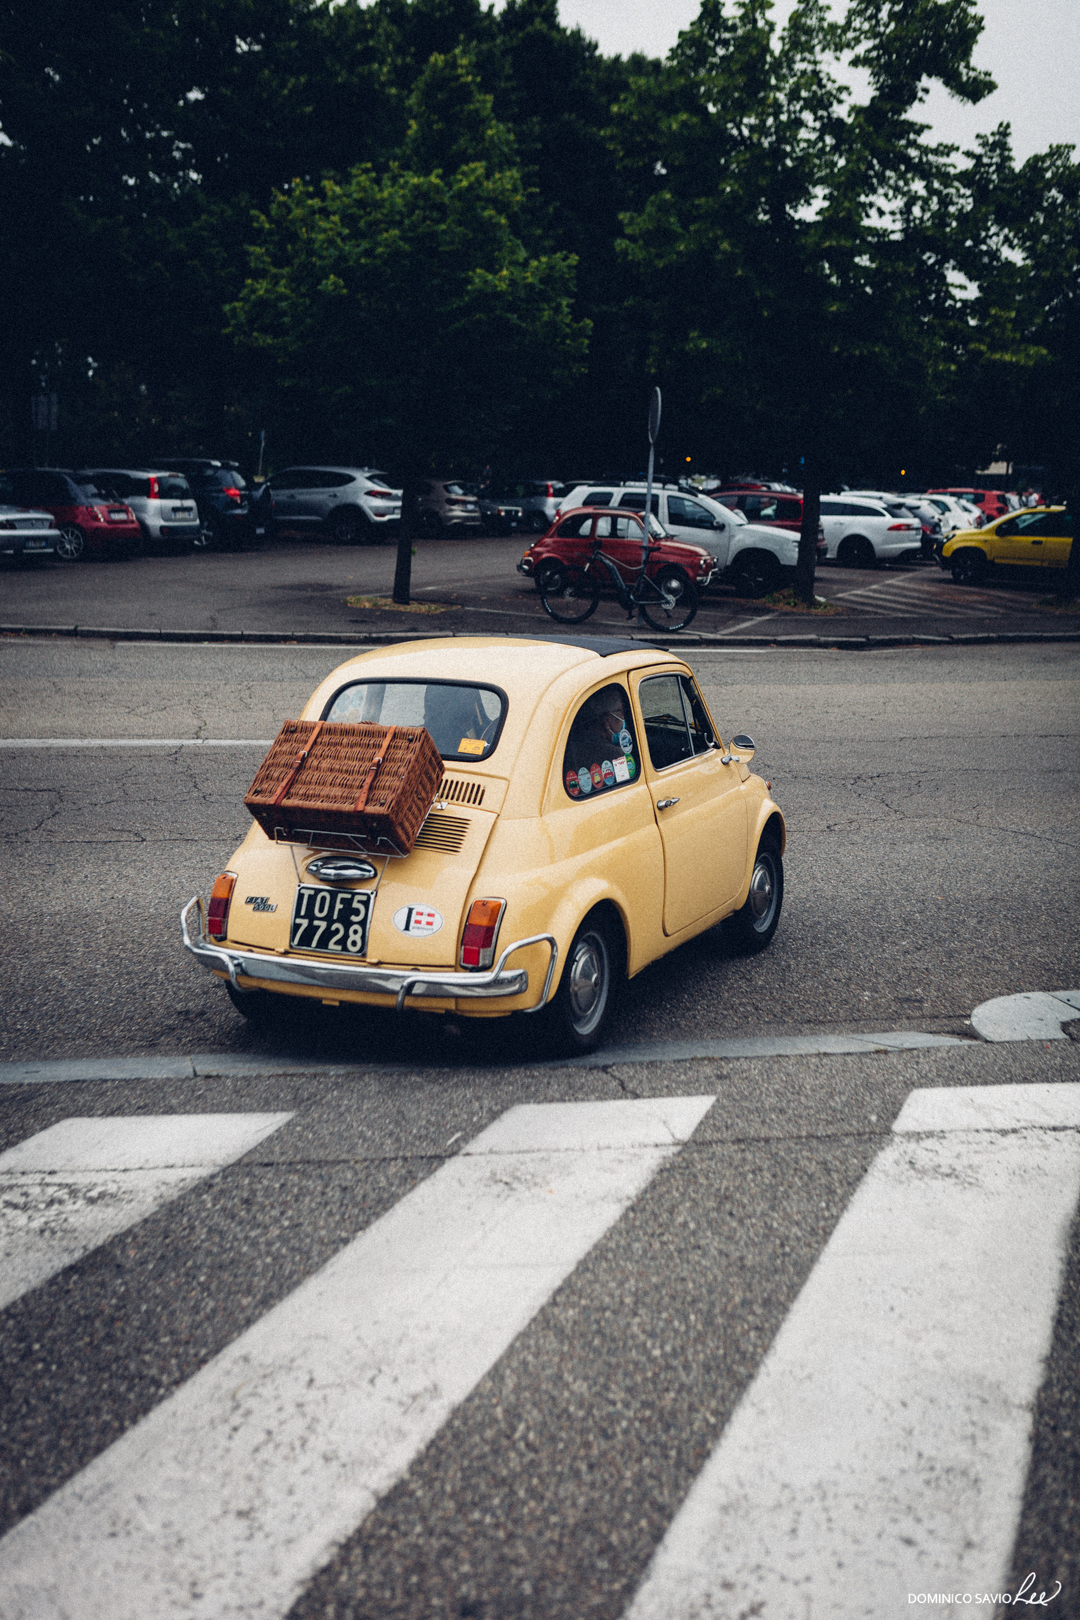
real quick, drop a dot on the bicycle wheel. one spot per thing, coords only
(570, 595)
(674, 603)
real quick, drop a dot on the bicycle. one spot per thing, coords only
(570, 593)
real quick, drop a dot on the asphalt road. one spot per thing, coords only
(932, 804)
(301, 586)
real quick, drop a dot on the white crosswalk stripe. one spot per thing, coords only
(880, 1450)
(914, 598)
(72, 1187)
(235, 1490)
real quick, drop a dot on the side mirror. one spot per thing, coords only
(742, 745)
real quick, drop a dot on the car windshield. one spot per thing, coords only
(464, 720)
(90, 491)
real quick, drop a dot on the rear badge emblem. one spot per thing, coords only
(417, 920)
(259, 902)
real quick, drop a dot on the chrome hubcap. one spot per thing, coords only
(588, 983)
(762, 890)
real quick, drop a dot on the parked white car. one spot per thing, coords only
(955, 513)
(25, 536)
(162, 502)
(860, 532)
(353, 503)
(750, 556)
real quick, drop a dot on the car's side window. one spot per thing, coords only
(598, 497)
(576, 527)
(689, 513)
(663, 715)
(601, 750)
(697, 717)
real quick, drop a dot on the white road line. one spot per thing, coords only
(229, 1496)
(135, 742)
(883, 1446)
(71, 1187)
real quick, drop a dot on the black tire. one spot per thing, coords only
(855, 551)
(208, 537)
(548, 574)
(572, 597)
(349, 527)
(261, 1009)
(69, 543)
(754, 924)
(682, 601)
(581, 1009)
(968, 566)
(756, 574)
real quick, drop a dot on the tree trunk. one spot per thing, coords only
(408, 527)
(808, 535)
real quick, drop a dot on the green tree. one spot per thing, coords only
(793, 247)
(403, 307)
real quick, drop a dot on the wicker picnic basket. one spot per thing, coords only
(356, 787)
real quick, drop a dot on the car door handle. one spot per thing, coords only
(665, 804)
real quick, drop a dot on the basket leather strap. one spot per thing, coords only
(373, 771)
(300, 758)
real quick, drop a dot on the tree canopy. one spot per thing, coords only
(425, 231)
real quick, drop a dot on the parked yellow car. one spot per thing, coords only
(590, 820)
(1040, 537)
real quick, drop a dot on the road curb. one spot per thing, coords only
(383, 638)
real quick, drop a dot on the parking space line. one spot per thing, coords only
(82, 1181)
(228, 1496)
(882, 1448)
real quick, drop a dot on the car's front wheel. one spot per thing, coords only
(69, 543)
(580, 1010)
(754, 924)
(968, 566)
(756, 574)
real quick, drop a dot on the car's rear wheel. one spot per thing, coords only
(70, 543)
(208, 538)
(571, 597)
(968, 566)
(677, 606)
(755, 923)
(856, 552)
(348, 527)
(261, 1009)
(580, 1010)
(756, 574)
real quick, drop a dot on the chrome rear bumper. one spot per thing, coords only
(316, 973)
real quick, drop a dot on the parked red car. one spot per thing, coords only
(990, 501)
(620, 533)
(776, 508)
(86, 519)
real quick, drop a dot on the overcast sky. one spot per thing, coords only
(1032, 48)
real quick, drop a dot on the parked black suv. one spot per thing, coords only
(221, 495)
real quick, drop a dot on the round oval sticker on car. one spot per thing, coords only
(418, 920)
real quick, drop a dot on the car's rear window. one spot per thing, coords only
(464, 720)
(173, 488)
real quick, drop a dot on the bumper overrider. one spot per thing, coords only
(315, 973)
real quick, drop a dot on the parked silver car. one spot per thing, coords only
(25, 536)
(355, 504)
(447, 503)
(162, 502)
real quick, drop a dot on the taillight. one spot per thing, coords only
(550, 490)
(153, 489)
(379, 494)
(481, 933)
(904, 526)
(217, 916)
(231, 492)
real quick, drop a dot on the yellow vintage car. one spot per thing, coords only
(590, 819)
(1040, 537)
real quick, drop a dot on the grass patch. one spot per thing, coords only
(1061, 604)
(786, 601)
(384, 604)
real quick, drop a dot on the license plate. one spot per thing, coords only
(334, 920)
(36, 545)
(260, 531)
(181, 511)
(117, 514)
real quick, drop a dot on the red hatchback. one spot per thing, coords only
(86, 519)
(620, 533)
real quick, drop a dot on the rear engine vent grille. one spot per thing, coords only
(459, 792)
(442, 832)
